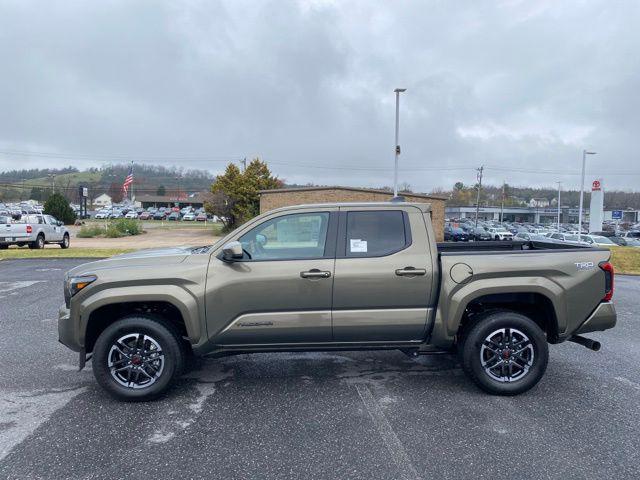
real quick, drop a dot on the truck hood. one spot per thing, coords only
(151, 257)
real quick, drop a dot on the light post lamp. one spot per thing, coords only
(584, 161)
(398, 91)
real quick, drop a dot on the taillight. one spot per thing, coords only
(608, 281)
(29, 229)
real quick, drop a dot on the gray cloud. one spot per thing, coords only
(307, 85)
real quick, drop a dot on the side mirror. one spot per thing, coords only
(232, 251)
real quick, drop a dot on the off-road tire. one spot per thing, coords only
(163, 332)
(472, 340)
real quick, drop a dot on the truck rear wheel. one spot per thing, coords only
(137, 358)
(505, 353)
(38, 244)
(65, 241)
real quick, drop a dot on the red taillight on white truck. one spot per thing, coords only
(608, 281)
(29, 229)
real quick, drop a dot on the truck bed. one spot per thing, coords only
(503, 246)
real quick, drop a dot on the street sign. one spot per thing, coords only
(616, 214)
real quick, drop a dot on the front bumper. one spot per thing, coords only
(602, 318)
(67, 333)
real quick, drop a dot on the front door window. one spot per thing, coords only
(289, 237)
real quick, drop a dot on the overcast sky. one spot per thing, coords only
(308, 87)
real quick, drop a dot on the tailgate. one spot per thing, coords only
(13, 232)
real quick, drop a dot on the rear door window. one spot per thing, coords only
(376, 233)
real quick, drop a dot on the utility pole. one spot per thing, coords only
(559, 207)
(480, 170)
(584, 161)
(398, 91)
(502, 203)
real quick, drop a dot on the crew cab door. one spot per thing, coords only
(280, 291)
(382, 288)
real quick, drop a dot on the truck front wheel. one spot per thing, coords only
(505, 353)
(137, 358)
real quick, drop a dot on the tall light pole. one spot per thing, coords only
(584, 161)
(398, 91)
(480, 170)
(559, 207)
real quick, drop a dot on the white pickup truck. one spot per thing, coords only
(32, 230)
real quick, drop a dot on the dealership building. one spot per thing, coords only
(517, 214)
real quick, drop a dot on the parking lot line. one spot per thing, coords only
(389, 437)
(628, 382)
(23, 412)
(11, 287)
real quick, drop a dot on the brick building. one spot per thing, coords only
(270, 199)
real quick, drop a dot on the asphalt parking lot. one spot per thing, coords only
(365, 415)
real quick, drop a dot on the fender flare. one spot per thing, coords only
(180, 298)
(454, 303)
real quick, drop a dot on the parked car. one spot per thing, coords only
(479, 234)
(159, 215)
(34, 230)
(145, 216)
(459, 235)
(102, 214)
(601, 241)
(633, 242)
(287, 283)
(131, 214)
(500, 233)
(189, 217)
(531, 237)
(201, 217)
(173, 216)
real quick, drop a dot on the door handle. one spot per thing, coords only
(410, 272)
(315, 273)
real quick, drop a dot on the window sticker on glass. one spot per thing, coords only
(358, 246)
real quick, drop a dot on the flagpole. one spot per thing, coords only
(131, 194)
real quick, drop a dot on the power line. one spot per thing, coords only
(212, 158)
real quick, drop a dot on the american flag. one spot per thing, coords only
(128, 181)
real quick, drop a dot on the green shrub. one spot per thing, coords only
(127, 226)
(90, 231)
(112, 231)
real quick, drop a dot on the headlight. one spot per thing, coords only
(74, 284)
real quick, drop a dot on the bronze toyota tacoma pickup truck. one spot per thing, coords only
(335, 277)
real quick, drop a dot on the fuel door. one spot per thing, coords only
(461, 273)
